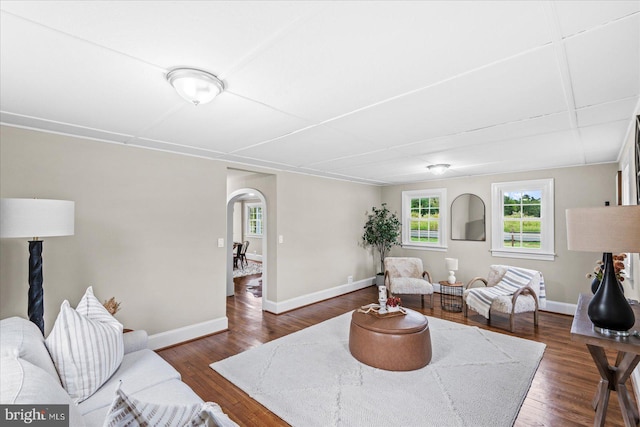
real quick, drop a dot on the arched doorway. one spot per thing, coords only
(232, 198)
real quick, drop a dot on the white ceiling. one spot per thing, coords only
(365, 91)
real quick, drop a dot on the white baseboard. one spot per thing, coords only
(560, 307)
(551, 306)
(301, 301)
(254, 257)
(186, 333)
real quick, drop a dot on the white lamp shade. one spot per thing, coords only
(36, 218)
(451, 263)
(604, 229)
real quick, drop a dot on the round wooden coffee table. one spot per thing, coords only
(393, 343)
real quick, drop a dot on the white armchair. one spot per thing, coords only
(509, 290)
(406, 276)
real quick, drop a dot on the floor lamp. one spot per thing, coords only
(606, 229)
(36, 218)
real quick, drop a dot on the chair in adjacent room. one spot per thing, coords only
(405, 276)
(236, 255)
(509, 290)
(243, 254)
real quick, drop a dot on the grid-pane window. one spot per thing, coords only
(254, 219)
(424, 218)
(522, 217)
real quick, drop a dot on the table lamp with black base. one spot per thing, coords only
(36, 218)
(606, 229)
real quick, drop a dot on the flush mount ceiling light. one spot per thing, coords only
(196, 86)
(438, 169)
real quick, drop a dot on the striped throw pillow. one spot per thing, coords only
(513, 280)
(129, 411)
(86, 346)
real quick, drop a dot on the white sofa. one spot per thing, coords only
(28, 375)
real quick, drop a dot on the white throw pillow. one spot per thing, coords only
(126, 410)
(24, 383)
(86, 346)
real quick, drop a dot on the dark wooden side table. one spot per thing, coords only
(451, 296)
(613, 378)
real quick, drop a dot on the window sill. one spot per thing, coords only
(539, 256)
(424, 248)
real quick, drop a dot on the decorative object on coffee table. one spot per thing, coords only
(394, 304)
(374, 310)
(606, 229)
(382, 299)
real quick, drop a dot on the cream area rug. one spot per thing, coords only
(309, 378)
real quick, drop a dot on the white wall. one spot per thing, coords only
(565, 276)
(146, 227)
(237, 221)
(147, 223)
(627, 161)
(320, 221)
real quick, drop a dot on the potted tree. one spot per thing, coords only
(381, 231)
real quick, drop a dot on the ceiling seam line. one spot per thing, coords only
(89, 42)
(56, 122)
(329, 120)
(270, 41)
(562, 61)
(600, 26)
(439, 82)
(453, 135)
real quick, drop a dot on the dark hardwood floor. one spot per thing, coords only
(560, 394)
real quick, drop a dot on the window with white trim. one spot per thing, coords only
(522, 219)
(253, 215)
(424, 218)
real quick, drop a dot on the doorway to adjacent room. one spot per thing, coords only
(247, 243)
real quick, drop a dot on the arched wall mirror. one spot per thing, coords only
(468, 218)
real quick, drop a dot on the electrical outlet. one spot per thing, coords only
(281, 239)
(221, 242)
(350, 279)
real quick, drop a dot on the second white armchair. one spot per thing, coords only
(508, 290)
